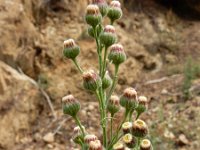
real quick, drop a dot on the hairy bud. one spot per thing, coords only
(127, 127)
(113, 104)
(146, 145)
(103, 7)
(118, 146)
(117, 54)
(70, 49)
(91, 80)
(129, 98)
(107, 81)
(95, 145)
(108, 37)
(129, 140)
(115, 11)
(142, 104)
(70, 105)
(140, 128)
(90, 137)
(93, 16)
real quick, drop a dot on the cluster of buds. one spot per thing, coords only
(103, 86)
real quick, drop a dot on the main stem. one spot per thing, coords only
(111, 126)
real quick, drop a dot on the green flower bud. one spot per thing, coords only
(146, 145)
(113, 104)
(70, 105)
(117, 54)
(127, 127)
(118, 146)
(78, 138)
(129, 140)
(91, 81)
(90, 137)
(107, 81)
(115, 11)
(103, 7)
(128, 99)
(142, 104)
(108, 37)
(95, 145)
(93, 16)
(70, 50)
(140, 128)
(91, 31)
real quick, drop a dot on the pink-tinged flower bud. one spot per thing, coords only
(103, 7)
(118, 146)
(140, 128)
(127, 127)
(71, 106)
(117, 54)
(113, 104)
(95, 145)
(107, 81)
(77, 130)
(93, 16)
(129, 140)
(146, 145)
(108, 37)
(128, 99)
(90, 137)
(115, 11)
(142, 104)
(70, 50)
(91, 80)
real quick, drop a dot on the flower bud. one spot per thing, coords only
(118, 146)
(117, 54)
(90, 137)
(107, 81)
(78, 138)
(91, 31)
(113, 104)
(70, 50)
(127, 127)
(91, 81)
(129, 99)
(77, 130)
(140, 128)
(146, 145)
(103, 7)
(70, 105)
(115, 11)
(95, 145)
(129, 140)
(142, 104)
(93, 16)
(108, 37)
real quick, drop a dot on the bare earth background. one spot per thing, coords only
(160, 37)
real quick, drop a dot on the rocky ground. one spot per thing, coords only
(159, 40)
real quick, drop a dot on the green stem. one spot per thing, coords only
(130, 115)
(113, 141)
(111, 126)
(79, 124)
(77, 65)
(104, 62)
(113, 83)
(138, 144)
(138, 115)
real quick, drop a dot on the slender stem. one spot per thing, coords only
(138, 144)
(79, 124)
(77, 65)
(138, 115)
(113, 83)
(111, 126)
(113, 141)
(104, 62)
(130, 115)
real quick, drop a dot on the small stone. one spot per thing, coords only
(49, 137)
(90, 107)
(182, 140)
(164, 92)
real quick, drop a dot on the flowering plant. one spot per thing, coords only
(130, 133)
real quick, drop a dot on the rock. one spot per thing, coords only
(18, 105)
(49, 137)
(182, 140)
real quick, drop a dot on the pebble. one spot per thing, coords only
(49, 137)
